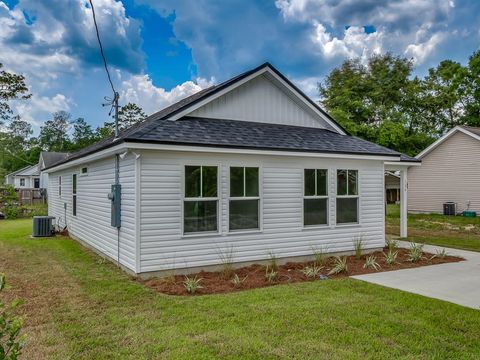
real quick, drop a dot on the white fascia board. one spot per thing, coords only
(445, 137)
(92, 157)
(399, 165)
(209, 149)
(236, 84)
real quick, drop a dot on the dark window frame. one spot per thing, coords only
(348, 195)
(244, 197)
(200, 198)
(316, 196)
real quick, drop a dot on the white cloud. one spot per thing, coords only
(355, 43)
(141, 90)
(414, 27)
(420, 51)
(35, 109)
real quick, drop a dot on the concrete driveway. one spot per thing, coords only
(458, 283)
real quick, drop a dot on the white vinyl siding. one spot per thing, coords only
(92, 222)
(450, 172)
(163, 246)
(260, 100)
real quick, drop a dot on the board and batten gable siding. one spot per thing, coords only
(260, 100)
(450, 172)
(162, 245)
(92, 222)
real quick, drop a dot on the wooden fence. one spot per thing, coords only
(32, 196)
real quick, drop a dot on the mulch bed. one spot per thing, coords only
(218, 282)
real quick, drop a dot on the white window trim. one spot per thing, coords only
(184, 199)
(349, 224)
(82, 173)
(316, 226)
(259, 198)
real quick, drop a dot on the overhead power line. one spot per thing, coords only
(101, 47)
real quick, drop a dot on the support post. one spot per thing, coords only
(403, 203)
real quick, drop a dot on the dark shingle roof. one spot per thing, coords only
(51, 157)
(253, 135)
(239, 134)
(407, 158)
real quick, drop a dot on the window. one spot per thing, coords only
(244, 199)
(315, 200)
(74, 194)
(84, 171)
(200, 205)
(347, 196)
(59, 186)
(22, 182)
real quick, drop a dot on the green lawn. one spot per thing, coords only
(451, 231)
(79, 307)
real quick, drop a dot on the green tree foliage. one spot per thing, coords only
(128, 115)
(382, 101)
(54, 133)
(12, 87)
(83, 134)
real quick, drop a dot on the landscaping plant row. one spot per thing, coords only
(322, 268)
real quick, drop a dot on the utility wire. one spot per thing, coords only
(101, 48)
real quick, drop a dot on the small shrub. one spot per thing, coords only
(273, 261)
(391, 257)
(11, 211)
(371, 263)
(11, 343)
(192, 284)
(238, 281)
(391, 244)
(320, 256)
(416, 252)
(442, 253)
(340, 266)
(226, 257)
(358, 246)
(270, 274)
(312, 271)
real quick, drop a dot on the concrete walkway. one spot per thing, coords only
(457, 282)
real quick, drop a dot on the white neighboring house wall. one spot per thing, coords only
(449, 172)
(91, 225)
(260, 100)
(163, 246)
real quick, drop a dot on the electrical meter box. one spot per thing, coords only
(115, 198)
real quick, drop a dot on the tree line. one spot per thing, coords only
(383, 102)
(380, 100)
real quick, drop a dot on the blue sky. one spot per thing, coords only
(161, 51)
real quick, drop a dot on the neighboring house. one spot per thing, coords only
(392, 187)
(47, 159)
(450, 172)
(25, 178)
(249, 167)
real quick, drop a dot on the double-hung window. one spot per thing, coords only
(200, 206)
(74, 194)
(315, 199)
(22, 182)
(244, 199)
(347, 196)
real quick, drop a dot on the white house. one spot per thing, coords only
(25, 178)
(47, 159)
(251, 166)
(450, 172)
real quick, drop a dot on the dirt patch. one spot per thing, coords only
(255, 275)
